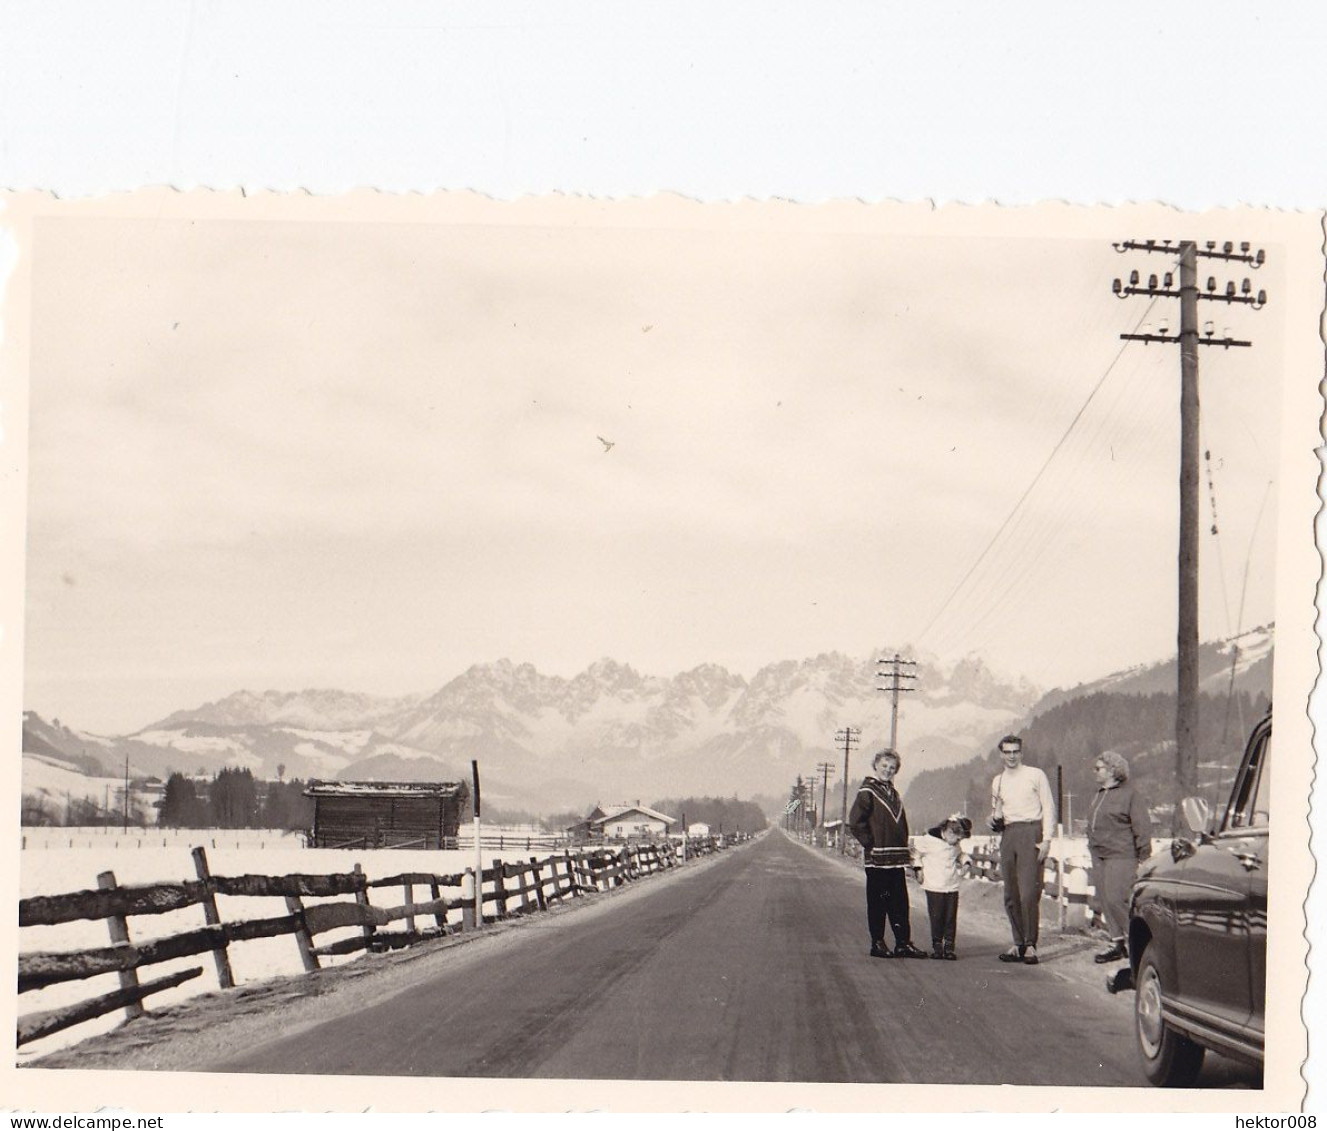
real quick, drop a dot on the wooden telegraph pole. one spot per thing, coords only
(826, 769)
(848, 737)
(892, 671)
(1189, 339)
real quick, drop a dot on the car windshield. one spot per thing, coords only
(1250, 806)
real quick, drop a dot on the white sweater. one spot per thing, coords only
(939, 862)
(1024, 794)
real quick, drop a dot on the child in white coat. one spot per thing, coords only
(939, 857)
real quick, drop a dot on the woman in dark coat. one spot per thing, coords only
(1119, 837)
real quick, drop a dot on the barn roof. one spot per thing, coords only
(384, 789)
(621, 810)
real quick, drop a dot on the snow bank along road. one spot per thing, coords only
(753, 967)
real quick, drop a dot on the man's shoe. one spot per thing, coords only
(937, 952)
(949, 954)
(1116, 952)
(907, 950)
(879, 950)
(1013, 954)
(1030, 956)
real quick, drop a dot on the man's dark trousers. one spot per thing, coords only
(1020, 871)
(887, 895)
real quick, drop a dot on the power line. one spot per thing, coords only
(1035, 480)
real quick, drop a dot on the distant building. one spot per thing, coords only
(588, 829)
(698, 828)
(624, 822)
(365, 814)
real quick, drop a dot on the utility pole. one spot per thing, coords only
(126, 793)
(812, 817)
(892, 671)
(827, 770)
(1189, 339)
(848, 737)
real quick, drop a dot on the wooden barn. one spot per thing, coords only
(371, 814)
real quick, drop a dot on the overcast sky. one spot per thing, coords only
(278, 455)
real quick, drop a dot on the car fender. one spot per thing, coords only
(1152, 926)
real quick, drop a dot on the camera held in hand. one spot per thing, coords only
(996, 824)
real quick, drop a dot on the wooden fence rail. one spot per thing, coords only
(510, 888)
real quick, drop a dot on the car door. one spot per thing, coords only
(1221, 913)
(1253, 818)
(1212, 935)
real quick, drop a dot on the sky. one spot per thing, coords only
(368, 455)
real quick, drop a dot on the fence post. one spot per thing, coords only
(468, 900)
(439, 916)
(119, 928)
(303, 940)
(409, 906)
(524, 890)
(1061, 895)
(537, 871)
(221, 956)
(499, 888)
(362, 898)
(575, 887)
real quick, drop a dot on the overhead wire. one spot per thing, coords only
(1036, 479)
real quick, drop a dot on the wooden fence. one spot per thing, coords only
(983, 862)
(1066, 875)
(511, 888)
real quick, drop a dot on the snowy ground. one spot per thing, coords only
(49, 866)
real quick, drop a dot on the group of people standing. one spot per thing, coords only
(1023, 815)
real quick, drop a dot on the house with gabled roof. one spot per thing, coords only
(624, 822)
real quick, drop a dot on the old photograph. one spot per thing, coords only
(601, 644)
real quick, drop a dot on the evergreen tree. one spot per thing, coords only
(234, 797)
(181, 807)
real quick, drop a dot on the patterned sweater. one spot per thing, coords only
(879, 822)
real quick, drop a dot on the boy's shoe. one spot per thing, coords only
(879, 950)
(1013, 954)
(1116, 952)
(907, 950)
(949, 954)
(1030, 956)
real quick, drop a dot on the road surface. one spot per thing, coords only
(752, 966)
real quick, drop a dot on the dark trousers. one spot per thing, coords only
(943, 909)
(887, 896)
(1020, 871)
(1112, 880)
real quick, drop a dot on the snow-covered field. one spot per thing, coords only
(49, 866)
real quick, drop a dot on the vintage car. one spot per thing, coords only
(1198, 931)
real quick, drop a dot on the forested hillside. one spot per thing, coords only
(720, 813)
(1072, 734)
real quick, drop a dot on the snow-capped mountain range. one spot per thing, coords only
(547, 741)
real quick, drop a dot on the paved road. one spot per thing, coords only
(751, 967)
